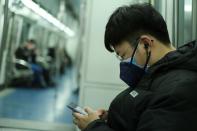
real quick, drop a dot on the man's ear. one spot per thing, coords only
(147, 41)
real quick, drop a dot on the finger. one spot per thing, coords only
(100, 112)
(74, 116)
(105, 113)
(75, 121)
(78, 115)
(89, 110)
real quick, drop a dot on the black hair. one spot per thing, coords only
(32, 41)
(129, 22)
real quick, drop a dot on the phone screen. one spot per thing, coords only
(76, 108)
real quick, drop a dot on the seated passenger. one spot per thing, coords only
(28, 53)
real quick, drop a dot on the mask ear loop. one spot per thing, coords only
(137, 41)
(147, 59)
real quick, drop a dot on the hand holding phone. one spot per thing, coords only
(76, 108)
(103, 114)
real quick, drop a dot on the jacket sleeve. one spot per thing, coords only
(173, 109)
(98, 125)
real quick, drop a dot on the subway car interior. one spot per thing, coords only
(52, 53)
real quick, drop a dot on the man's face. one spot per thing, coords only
(124, 50)
(31, 46)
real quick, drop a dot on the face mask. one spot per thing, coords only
(133, 61)
(131, 72)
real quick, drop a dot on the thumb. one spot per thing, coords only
(88, 110)
(100, 111)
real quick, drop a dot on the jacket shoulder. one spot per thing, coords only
(176, 83)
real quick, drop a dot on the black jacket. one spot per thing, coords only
(26, 54)
(164, 100)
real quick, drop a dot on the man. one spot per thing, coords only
(162, 80)
(27, 52)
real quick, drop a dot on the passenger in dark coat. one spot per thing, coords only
(162, 80)
(27, 52)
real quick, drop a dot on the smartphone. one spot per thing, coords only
(76, 108)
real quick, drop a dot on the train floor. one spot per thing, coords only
(40, 104)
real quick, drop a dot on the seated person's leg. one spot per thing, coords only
(38, 75)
